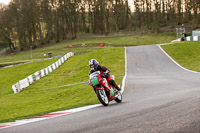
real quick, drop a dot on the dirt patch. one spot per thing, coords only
(72, 72)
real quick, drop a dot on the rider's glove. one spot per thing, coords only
(106, 73)
(103, 75)
(88, 82)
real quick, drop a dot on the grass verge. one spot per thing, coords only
(91, 44)
(186, 54)
(37, 99)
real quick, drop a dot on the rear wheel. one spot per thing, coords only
(101, 94)
(118, 98)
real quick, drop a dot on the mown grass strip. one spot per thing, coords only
(186, 54)
(37, 100)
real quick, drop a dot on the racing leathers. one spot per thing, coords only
(106, 72)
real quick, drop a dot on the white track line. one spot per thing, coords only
(176, 62)
(124, 79)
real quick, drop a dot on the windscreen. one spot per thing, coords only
(94, 75)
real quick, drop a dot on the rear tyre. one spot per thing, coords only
(118, 98)
(101, 94)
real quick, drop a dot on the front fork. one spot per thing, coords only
(106, 90)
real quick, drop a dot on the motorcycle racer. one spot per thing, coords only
(94, 65)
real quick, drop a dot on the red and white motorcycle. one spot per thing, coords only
(105, 92)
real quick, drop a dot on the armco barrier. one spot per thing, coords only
(20, 85)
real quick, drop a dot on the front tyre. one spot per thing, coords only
(118, 97)
(101, 94)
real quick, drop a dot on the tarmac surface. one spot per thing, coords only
(159, 97)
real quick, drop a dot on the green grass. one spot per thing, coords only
(186, 54)
(9, 76)
(37, 99)
(91, 45)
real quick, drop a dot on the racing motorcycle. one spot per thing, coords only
(105, 92)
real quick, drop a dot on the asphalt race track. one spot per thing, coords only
(159, 97)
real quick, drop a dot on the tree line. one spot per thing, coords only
(154, 14)
(30, 23)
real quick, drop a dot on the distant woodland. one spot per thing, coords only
(36, 22)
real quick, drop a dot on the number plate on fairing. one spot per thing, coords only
(95, 81)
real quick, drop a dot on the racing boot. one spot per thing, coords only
(118, 88)
(112, 82)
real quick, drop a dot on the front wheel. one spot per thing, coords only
(118, 97)
(101, 94)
